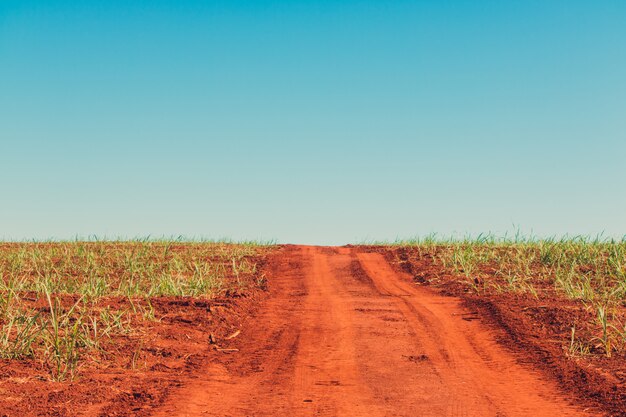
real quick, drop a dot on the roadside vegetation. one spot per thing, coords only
(64, 304)
(587, 274)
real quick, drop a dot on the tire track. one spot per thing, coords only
(343, 334)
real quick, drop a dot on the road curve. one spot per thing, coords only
(343, 334)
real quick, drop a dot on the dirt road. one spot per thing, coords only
(343, 334)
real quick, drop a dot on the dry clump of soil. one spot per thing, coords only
(538, 326)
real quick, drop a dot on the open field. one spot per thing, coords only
(108, 327)
(561, 301)
(473, 328)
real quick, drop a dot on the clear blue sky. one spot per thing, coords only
(312, 122)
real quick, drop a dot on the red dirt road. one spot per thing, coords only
(342, 333)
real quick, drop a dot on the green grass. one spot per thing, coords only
(591, 271)
(96, 269)
(53, 295)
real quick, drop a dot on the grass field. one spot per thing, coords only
(589, 272)
(63, 304)
(114, 327)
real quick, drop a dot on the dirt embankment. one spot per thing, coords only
(537, 329)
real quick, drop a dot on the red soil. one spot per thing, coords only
(340, 332)
(537, 329)
(345, 334)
